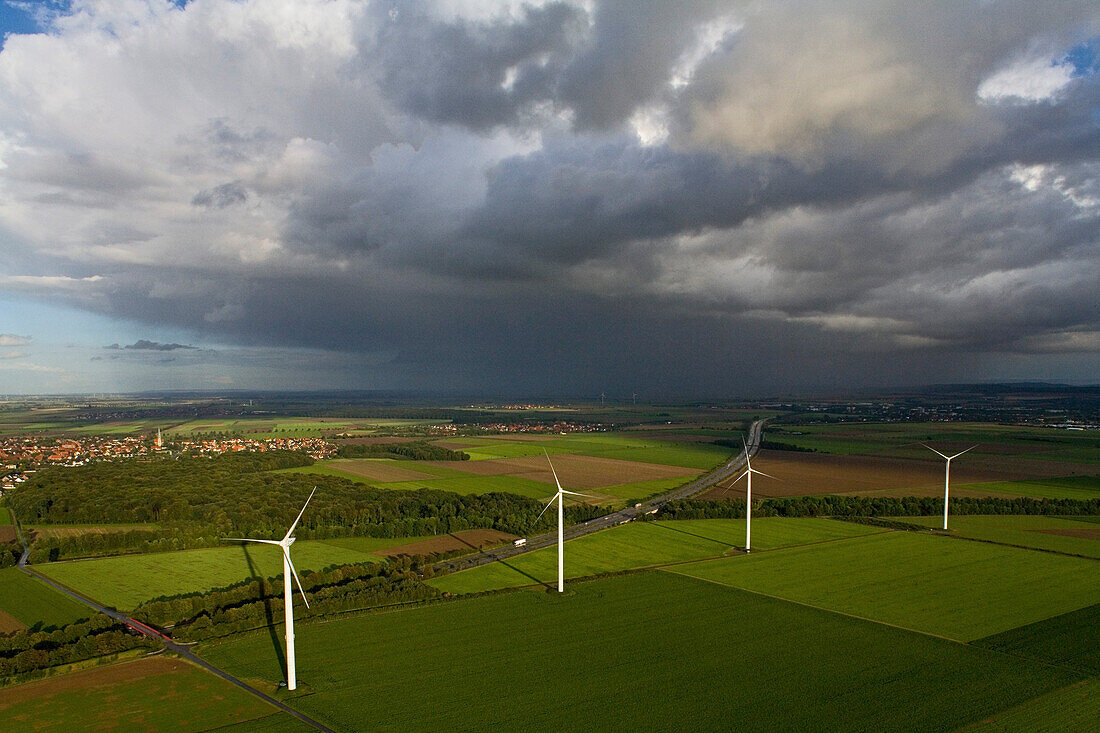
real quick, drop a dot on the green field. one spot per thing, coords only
(651, 651)
(624, 446)
(1025, 531)
(1073, 708)
(640, 544)
(125, 581)
(1069, 640)
(32, 602)
(172, 698)
(903, 440)
(1071, 487)
(5, 516)
(938, 585)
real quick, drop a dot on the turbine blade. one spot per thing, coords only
(291, 530)
(941, 455)
(746, 473)
(551, 502)
(577, 493)
(761, 473)
(552, 469)
(246, 539)
(964, 451)
(286, 554)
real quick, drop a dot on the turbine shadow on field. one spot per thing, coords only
(543, 583)
(269, 615)
(662, 525)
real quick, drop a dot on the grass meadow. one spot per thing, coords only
(127, 580)
(938, 585)
(1026, 531)
(1070, 487)
(30, 601)
(714, 658)
(639, 544)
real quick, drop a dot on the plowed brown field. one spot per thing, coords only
(471, 539)
(10, 624)
(98, 677)
(575, 472)
(814, 473)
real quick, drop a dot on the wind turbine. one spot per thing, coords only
(749, 471)
(561, 521)
(288, 590)
(947, 476)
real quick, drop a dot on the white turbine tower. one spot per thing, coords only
(947, 476)
(561, 521)
(288, 590)
(749, 471)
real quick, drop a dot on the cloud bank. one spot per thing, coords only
(693, 197)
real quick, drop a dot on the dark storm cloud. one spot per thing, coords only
(666, 196)
(145, 345)
(474, 73)
(221, 196)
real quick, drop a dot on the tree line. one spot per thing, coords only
(196, 501)
(29, 651)
(873, 506)
(256, 603)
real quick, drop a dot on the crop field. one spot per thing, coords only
(576, 471)
(903, 440)
(289, 426)
(1070, 487)
(623, 446)
(1072, 708)
(127, 580)
(779, 665)
(152, 694)
(1069, 640)
(1045, 533)
(954, 588)
(30, 601)
(5, 517)
(470, 539)
(799, 474)
(639, 544)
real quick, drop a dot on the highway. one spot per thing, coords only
(704, 482)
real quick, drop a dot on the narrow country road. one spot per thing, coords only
(723, 472)
(162, 638)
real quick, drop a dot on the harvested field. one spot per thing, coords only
(10, 624)
(7, 533)
(1084, 534)
(819, 473)
(376, 440)
(92, 678)
(381, 470)
(471, 539)
(575, 472)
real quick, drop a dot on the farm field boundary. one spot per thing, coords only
(518, 640)
(913, 581)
